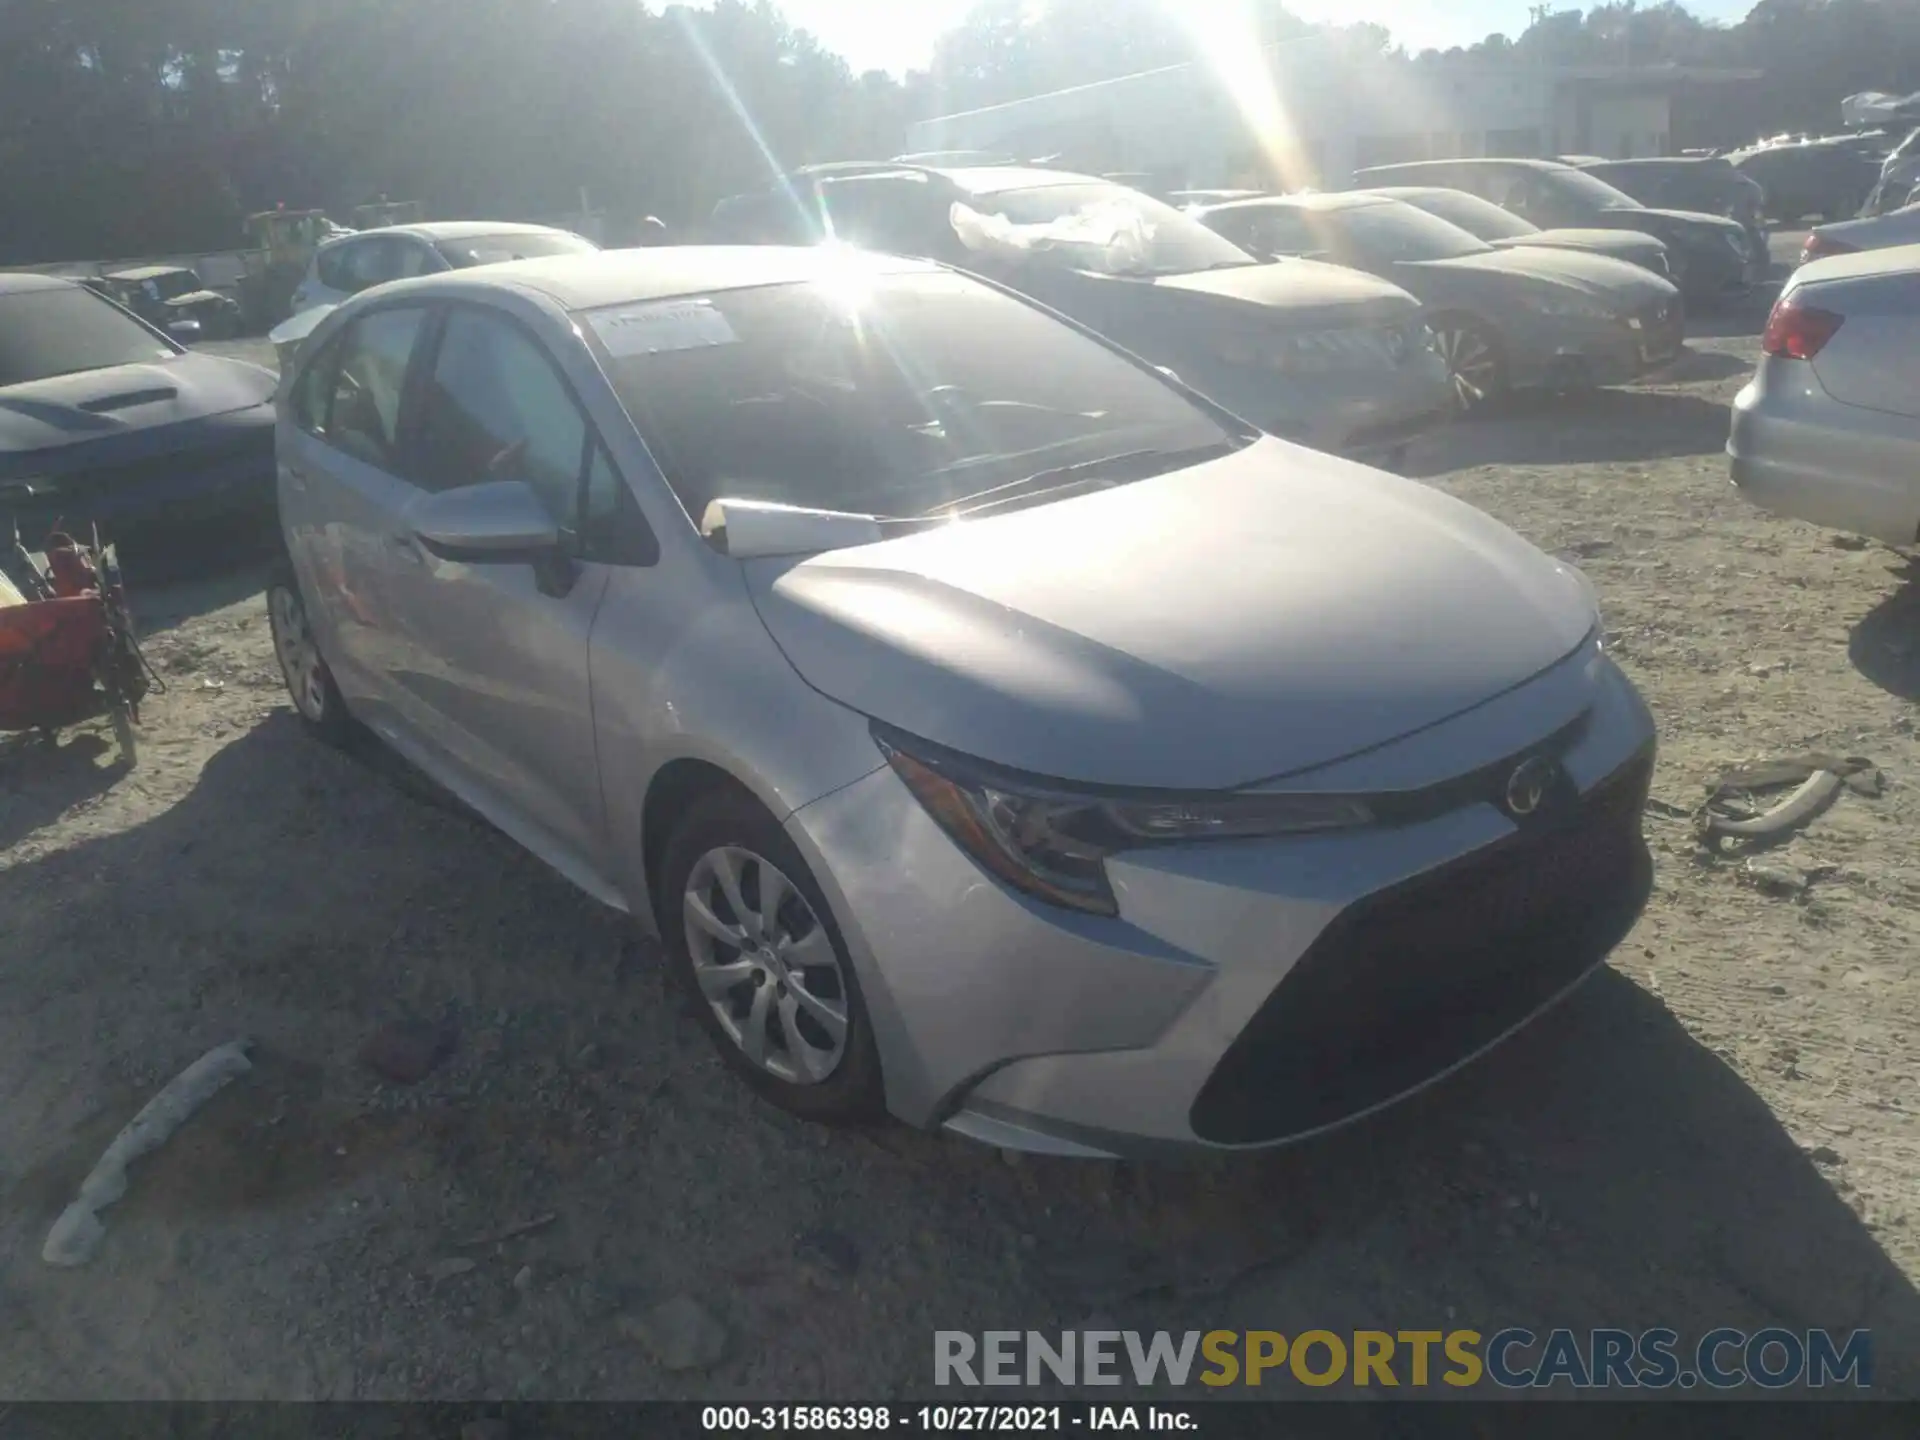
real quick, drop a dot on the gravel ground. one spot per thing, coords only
(1719, 1130)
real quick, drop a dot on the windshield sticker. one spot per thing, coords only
(661, 328)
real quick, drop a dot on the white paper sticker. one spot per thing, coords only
(662, 327)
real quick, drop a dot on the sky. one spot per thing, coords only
(899, 35)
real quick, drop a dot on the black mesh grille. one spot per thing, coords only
(1410, 981)
(104, 492)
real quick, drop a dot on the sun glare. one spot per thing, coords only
(1229, 43)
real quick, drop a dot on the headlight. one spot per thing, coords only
(1570, 306)
(1052, 842)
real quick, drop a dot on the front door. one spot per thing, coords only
(494, 655)
(342, 496)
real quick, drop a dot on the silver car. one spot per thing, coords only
(1521, 319)
(1875, 232)
(1829, 428)
(361, 259)
(995, 732)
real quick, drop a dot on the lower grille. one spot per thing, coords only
(1409, 982)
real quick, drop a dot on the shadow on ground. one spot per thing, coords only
(1885, 645)
(1602, 1169)
(41, 780)
(1600, 426)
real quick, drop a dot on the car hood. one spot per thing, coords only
(97, 405)
(1299, 292)
(1622, 244)
(1662, 223)
(1599, 276)
(1258, 615)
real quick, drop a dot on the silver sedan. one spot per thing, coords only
(1829, 428)
(997, 733)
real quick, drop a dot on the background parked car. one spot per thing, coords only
(105, 420)
(366, 258)
(1708, 186)
(1309, 352)
(1503, 229)
(1506, 319)
(1899, 178)
(165, 295)
(1712, 257)
(1825, 179)
(739, 584)
(1875, 232)
(1829, 429)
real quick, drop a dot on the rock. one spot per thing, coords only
(523, 1281)
(828, 1253)
(446, 1269)
(1765, 667)
(405, 1052)
(589, 1057)
(1777, 877)
(1847, 542)
(680, 1334)
(1587, 549)
(1824, 1155)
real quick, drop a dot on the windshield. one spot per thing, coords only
(1101, 227)
(1389, 232)
(471, 250)
(896, 395)
(1590, 190)
(1480, 218)
(44, 333)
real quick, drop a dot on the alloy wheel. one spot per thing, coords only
(1472, 363)
(766, 965)
(299, 657)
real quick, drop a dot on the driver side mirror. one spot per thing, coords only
(185, 331)
(499, 523)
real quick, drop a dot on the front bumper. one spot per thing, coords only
(1255, 992)
(229, 473)
(1796, 451)
(1572, 355)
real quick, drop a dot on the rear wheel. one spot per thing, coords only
(1474, 359)
(310, 683)
(752, 942)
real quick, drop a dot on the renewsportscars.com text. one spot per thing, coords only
(1512, 1358)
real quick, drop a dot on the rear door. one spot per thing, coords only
(493, 657)
(341, 495)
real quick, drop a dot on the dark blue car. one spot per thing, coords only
(106, 421)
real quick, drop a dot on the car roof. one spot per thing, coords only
(1320, 202)
(455, 230)
(1518, 162)
(147, 272)
(625, 277)
(1410, 192)
(974, 179)
(25, 282)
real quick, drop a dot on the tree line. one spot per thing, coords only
(148, 126)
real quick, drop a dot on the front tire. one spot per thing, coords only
(310, 685)
(752, 943)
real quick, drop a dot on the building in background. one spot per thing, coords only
(1319, 113)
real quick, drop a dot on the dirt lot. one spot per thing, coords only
(1720, 1130)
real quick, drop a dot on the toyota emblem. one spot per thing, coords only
(1529, 784)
